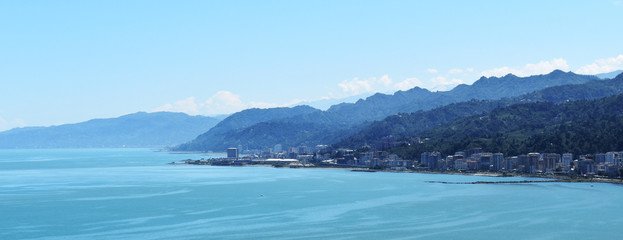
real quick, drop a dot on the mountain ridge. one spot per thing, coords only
(579, 127)
(141, 129)
(412, 124)
(343, 116)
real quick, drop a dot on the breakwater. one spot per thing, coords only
(501, 182)
(592, 180)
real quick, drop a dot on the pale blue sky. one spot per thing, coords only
(70, 61)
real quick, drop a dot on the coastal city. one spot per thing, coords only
(605, 165)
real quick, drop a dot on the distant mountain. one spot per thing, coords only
(220, 117)
(380, 106)
(140, 129)
(580, 127)
(413, 124)
(216, 138)
(325, 104)
(609, 75)
(325, 127)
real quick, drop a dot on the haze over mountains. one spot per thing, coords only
(414, 124)
(609, 75)
(342, 120)
(366, 121)
(140, 129)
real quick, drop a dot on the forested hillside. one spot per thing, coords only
(343, 120)
(583, 126)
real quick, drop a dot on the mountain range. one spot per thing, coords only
(579, 127)
(609, 75)
(160, 129)
(342, 120)
(403, 114)
(406, 125)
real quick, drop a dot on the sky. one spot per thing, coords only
(71, 61)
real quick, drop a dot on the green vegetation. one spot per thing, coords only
(578, 127)
(347, 119)
(403, 126)
(217, 138)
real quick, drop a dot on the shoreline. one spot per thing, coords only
(551, 178)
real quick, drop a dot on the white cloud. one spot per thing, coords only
(438, 83)
(385, 80)
(264, 105)
(543, 67)
(10, 124)
(498, 72)
(408, 84)
(604, 65)
(385, 84)
(432, 70)
(187, 105)
(357, 86)
(222, 102)
(441, 83)
(438, 79)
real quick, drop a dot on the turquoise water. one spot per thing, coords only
(134, 194)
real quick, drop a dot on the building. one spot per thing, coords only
(232, 153)
(586, 166)
(484, 160)
(430, 159)
(277, 148)
(600, 158)
(550, 161)
(468, 153)
(523, 163)
(511, 163)
(533, 162)
(460, 163)
(498, 161)
(567, 159)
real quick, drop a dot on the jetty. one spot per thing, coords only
(502, 182)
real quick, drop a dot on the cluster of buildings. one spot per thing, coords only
(302, 153)
(300, 156)
(608, 164)
(604, 164)
(371, 159)
(312, 156)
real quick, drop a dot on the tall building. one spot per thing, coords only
(523, 163)
(232, 153)
(468, 153)
(431, 159)
(484, 160)
(511, 163)
(567, 159)
(600, 158)
(498, 161)
(550, 161)
(610, 157)
(277, 148)
(460, 164)
(533, 162)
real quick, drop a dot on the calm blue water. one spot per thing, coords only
(134, 194)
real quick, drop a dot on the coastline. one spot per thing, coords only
(551, 178)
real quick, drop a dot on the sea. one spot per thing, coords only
(135, 194)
